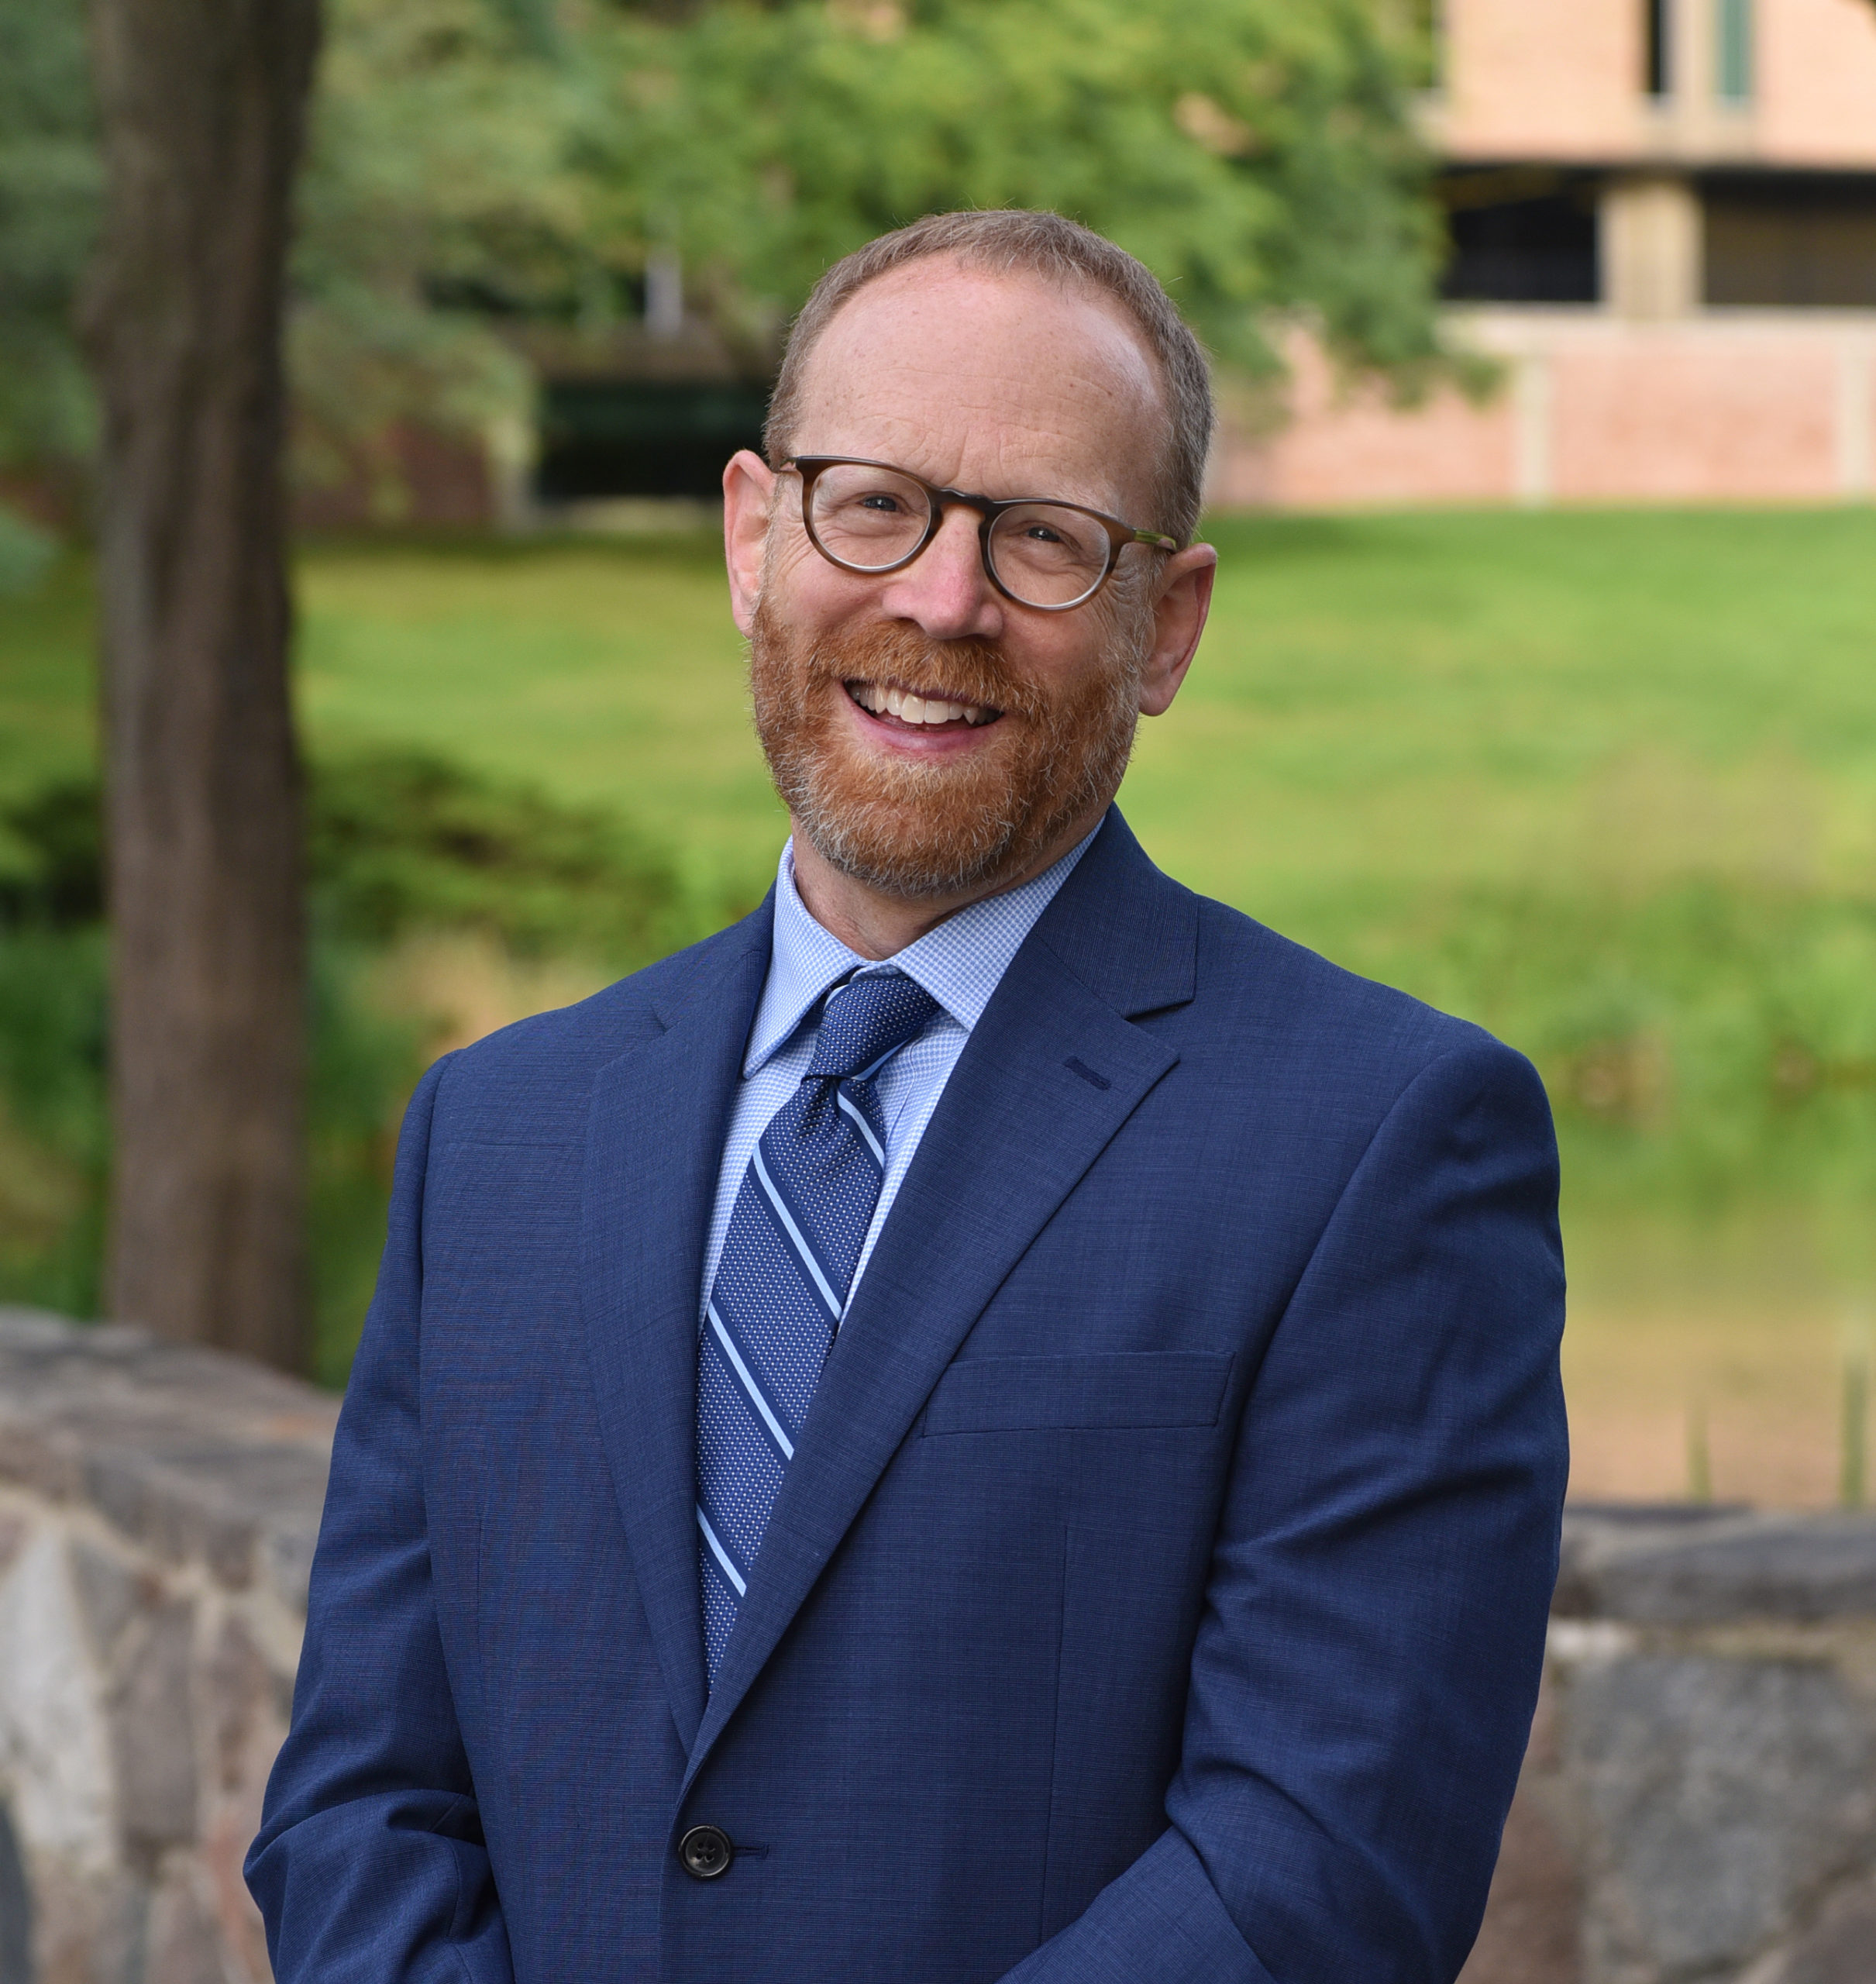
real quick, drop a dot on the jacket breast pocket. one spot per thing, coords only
(1118, 1391)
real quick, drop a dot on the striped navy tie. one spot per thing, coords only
(795, 1235)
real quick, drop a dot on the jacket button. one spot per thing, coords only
(706, 1852)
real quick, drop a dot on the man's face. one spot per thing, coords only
(929, 736)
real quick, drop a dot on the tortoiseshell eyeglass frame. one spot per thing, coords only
(1119, 533)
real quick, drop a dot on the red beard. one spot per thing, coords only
(940, 826)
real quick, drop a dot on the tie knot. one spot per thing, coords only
(867, 1020)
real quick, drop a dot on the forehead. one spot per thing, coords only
(1006, 385)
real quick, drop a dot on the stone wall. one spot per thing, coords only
(1697, 1805)
(158, 1507)
(1698, 1802)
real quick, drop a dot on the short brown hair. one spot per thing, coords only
(1016, 241)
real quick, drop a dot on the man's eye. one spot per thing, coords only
(1041, 534)
(889, 505)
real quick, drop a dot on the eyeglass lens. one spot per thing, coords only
(1042, 554)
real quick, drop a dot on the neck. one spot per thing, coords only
(876, 924)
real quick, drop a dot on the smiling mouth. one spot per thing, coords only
(920, 712)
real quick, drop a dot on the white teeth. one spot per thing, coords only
(917, 709)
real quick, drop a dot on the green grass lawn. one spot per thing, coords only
(1606, 781)
(1408, 701)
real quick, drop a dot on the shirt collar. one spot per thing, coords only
(960, 963)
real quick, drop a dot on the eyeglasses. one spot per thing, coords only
(872, 518)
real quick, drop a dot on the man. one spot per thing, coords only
(996, 1420)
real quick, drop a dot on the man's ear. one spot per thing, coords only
(1185, 598)
(748, 487)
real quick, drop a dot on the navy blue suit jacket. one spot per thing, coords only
(1158, 1591)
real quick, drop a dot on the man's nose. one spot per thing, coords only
(945, 591)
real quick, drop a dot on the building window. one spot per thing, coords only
(1733, 49)
(1658, 77)
(1791, 240)
(608, 437)
(1520, 234)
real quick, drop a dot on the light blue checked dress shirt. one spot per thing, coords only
(960, 963)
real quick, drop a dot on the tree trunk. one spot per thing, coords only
(202, 103)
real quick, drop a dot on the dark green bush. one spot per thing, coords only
(398, 841)
(52, 1116)
(53, 878)
(362, 1065)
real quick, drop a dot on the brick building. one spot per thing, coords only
(1663, 222)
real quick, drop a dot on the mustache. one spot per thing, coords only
(962, 671)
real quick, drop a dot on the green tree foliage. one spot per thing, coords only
(477, 163)
(1257, 154)
(438, 195)
(50, 185)
(439, 199)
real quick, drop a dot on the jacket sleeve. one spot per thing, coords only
(370, 1867)
(1366, 1667)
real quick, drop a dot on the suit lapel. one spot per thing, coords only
(1018, 1126)
(656, 1130)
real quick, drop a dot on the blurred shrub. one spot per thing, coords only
(52, 1116)
(403, 840)
(24, 553)
(362, 1064)
(397, 841)
(1706, 1040)
(51, 859)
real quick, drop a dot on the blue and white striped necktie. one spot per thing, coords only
(799, 1221)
